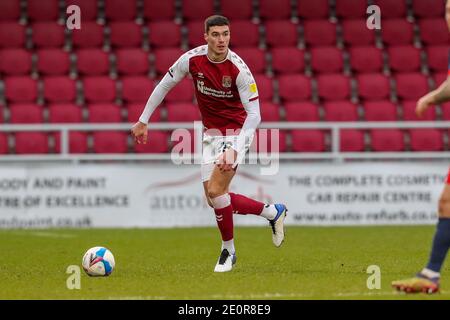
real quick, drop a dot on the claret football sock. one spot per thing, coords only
(224, 215)
(245, 205)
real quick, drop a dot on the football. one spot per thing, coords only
(98, 262)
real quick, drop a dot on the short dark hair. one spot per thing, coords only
(215, 20)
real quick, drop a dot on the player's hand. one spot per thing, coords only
(226, 160)
(139, 131)
(422, 106)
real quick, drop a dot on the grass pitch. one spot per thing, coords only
(313, 263)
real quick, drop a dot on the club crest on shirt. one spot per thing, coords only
(226, 81)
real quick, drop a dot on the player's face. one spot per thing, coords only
(218, 39)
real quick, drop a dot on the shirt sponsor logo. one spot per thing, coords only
(213, 92)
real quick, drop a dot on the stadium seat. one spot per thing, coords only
(58, 89)
(319, 33)
(248, 35)
(99, 89)
(164, 58)
(159, 10)
(409, 112)
(164, 34)
(182, 92)
(15, 62)
(20, 89)
(366, 59)
(182, 112)
(136, 89)
(196, 30)
(197, 9)
(333, 86)
(404, 58)
(275, 10)
(288, 60)
(327, 59)
(78, 142)
(434, 32)
(92, 62)
(445, 108)
(426, 140)
(439, 78)
(428, 8)
(350, 9)
(380, 111)
(9, 10)
(157, 143)
(269, 111)
(340, 111)
(397, 32)
(265, 87)
(2, 119)
(437, 58)
(90, 36)
(308, 140)
(132, 61)
(351, 140)
(47, 34)
(134, 111)
(65, 113)
(104, 112)
(356, 33)
(373, 86)
(253, 57)
(88, 8)
(237, 9)
(301, 111)
(120, 10)
(53, 62)
(125, 34)
(387, 140)
(411, 86)
(26, 113)
(4, 147)
(180, 139)
(110, 142)
(294, 87)
(12, 35)
(263, 141)
(31, 142)
(392, 8)
(42, 10)
(281, 33)
(318, 9)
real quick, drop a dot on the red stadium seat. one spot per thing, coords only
(47, 34)
(445, 107)
(302, 111)
(104, 112)
(437, 57)
(12, 35)
(265, 87)
(132, 61)
(409, 112)
(134, 111)
(426, 140)
(253, 57)
(20, 89)
(366, 59)
(237, 9)
(164, 34)
(182, 112)
(281, 33)
(110, 142)
(434, 31)
(26, 113)
(387, 140)
(397, 32)
(356, 33)
(88, 8)
(197, 9)
(9, 10)
(373, 86)
(15, 62)
(157, 143)
(380, 111)
(53, 62)
(65, 113)
(99, 89)
(92, 62)
(294, 87)
(125, 34)
(248, 35)
(351, 140)
(182, 92)
(275, 10)
(308, 141)
(350, 9)
(159, 10)
(340, 111)
(77, 142)
(320, 33)
(288, 60)
(269, 111)
(31, 142)
(42, 10)
(411, 86)
(392, 8)
(318, 9)
(90, 36)
(165, 58)
(120, 10)
(428, 8)
(439, 78)
(2, 119)
(4, 147)
(59, 89)
(136, 89)
(263, 141)
(196, 30)
(333, 86)
(327, 59)
(404, 58)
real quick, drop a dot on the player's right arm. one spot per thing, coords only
(174, 75)
(437, 96)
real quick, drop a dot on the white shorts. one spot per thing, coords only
(213, 147)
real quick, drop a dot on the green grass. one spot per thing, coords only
(313, 263)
